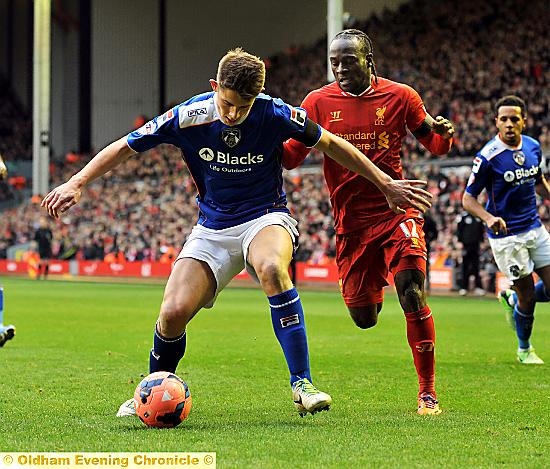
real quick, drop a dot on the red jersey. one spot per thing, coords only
(376, 122)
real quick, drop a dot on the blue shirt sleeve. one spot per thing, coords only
(478, 177)
(161, 129)
(297, 123)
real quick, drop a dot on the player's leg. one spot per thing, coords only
(524, 317)
(406, 255)
(517, 256)
(269, 253)
(541, 260)
(409, 285)
(6, 332)
(542, 287)
(362, 276)
(190, 286)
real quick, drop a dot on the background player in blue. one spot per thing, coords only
(509, 168)
(231, 139)
(6, 332)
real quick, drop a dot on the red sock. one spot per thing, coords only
(421, 337)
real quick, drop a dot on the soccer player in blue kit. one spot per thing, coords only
(231, 140)
(508, 167)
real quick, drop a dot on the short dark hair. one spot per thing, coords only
(511, 100)
(365, 44)
(241, 72)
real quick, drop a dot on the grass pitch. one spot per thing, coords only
(81, 348)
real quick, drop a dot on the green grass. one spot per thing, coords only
(81, 347)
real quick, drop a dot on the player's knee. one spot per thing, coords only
(271, 272)
(412, 298)
(174, 316)
(526, 303)
(364, 319)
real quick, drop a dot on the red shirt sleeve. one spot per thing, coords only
(294, 152)
(416, 114)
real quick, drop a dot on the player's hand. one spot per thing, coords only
(443, 127)
(402, 194)
(497, 225)
(3, 170)
(61, 199)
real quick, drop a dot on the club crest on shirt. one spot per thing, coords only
(231, 136)
(380, 111)
(519, 157)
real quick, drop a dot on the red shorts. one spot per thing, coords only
(366, 257)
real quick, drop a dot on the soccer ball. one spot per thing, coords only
(162, 399)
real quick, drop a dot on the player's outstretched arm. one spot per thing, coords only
(63, 197)
(436, 135)
(496, 224)
(294, 153)
(399, 193)
(543, 188)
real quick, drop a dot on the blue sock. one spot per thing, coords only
(540, 293)
(524, 327)
(1, 306)
(287, 317)
(166, 353)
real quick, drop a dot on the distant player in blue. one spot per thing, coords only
(508, 167)
(231, 140)
(6, 332)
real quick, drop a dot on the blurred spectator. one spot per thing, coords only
(470, 232)
(43, 237)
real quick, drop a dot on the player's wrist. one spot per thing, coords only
(78, 181)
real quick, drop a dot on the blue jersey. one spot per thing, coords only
(509, 175)
(237, 169)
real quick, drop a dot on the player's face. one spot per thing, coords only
(232, 107)
(510, 124)
(349, 65)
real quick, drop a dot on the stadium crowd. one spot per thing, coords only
(460, 61)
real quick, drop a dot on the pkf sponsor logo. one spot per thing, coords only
(196, 112)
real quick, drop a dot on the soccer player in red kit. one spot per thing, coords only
(373, 113)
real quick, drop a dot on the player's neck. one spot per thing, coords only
(513, 145)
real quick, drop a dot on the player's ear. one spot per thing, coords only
(213, 84)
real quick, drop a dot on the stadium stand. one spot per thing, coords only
(459, 60)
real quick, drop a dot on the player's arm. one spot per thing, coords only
(543, 188)
(63, 197)
(496, 224)
(436, 135)
(294, 153)
(399, 193)
(477, 182)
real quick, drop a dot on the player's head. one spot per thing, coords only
(240, 78)
(351, 60)
(511, 113)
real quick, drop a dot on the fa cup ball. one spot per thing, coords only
(162, 400)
